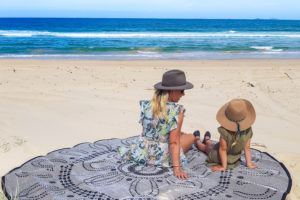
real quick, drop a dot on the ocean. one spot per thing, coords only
(114, 39)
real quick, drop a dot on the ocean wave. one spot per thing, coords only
(266, 48)
(181, 56)
(79, 56)
(231, 33)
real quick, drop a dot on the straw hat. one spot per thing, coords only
(173, 80)
(236, 111)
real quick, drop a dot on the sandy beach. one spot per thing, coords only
(50, 104)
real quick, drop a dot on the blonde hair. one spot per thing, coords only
(159, 104)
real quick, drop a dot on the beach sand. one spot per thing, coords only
(51, 104)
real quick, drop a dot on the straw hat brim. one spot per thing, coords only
(186, 86)
(230, 125)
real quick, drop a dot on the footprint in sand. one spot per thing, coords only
(7, 144)
(259, 145)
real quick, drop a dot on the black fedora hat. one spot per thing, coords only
(173, 80)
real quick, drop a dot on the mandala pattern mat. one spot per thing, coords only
(95, 171)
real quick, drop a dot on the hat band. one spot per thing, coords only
(230, 119)
(173, 84)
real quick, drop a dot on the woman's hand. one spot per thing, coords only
(179, 173)
(218, 168)
(251, 165)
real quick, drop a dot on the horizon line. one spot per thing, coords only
(149, 18)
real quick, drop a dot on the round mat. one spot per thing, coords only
(95, 171)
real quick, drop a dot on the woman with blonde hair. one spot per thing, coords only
(162, 142)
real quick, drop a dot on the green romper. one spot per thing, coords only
(234, 152)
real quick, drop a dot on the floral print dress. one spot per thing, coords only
(152, 147)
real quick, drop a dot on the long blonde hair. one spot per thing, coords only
(159, 104)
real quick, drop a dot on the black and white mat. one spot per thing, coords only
(95, 171)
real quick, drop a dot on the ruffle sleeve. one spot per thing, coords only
(144, 107)
(173, 114)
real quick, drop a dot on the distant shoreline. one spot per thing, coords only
(150, 18)
(157, 56)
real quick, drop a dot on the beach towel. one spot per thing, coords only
(96, 171)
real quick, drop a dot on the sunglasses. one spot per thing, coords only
(182, 91)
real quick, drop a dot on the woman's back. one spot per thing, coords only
(158, 129)
(152, 147)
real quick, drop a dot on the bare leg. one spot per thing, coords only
(208, 146)
(186, 141)
(200, 146)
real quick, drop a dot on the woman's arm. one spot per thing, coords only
(174, 146)
(247, 151)
(223, 156)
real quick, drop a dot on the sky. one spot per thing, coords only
(207, 9)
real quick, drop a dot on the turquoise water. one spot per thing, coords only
(148, 38)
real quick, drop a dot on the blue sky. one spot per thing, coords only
(232, 9)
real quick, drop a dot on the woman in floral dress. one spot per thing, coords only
(162, 143)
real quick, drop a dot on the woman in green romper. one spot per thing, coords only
(235, 118)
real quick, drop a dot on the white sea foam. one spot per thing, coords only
(147, 52)
(183, 55)
(266, 48)
(16, 33)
